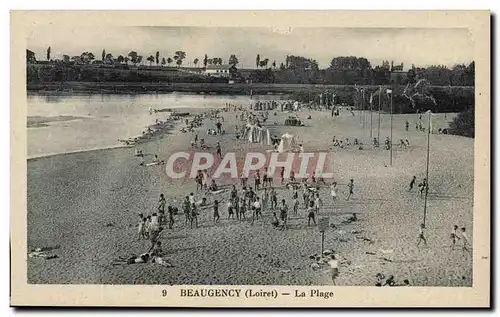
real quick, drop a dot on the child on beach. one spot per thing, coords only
(421, 236)
(216, 211)
(351, 188)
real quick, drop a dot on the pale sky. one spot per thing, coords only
(421, 47)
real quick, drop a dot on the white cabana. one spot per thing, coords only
(287, 143)
(256, 134)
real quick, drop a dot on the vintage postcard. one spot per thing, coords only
(250, 159)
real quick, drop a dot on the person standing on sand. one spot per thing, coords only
(199, 181)
(216, 211)
(264, 178)
(274, 199)
(284, 213)
(412, 183)
(264, 198)
(243, 179)
(194, 216)
(257, 180)
(350, 185)
(454, 236)
(141, 229)
(219, 127)
(465, 241)
(205, 179)
(333, 191)
(334, 267)
(317, 203)
(421, 236)
(310, 214)
(282, 175)
(219, 150)
(171, 220)
(243, 208)
(423, 187)
(407, 125)
(256, 210)
(230, 209)
(186, 206)
(295, 204)
(161, 203)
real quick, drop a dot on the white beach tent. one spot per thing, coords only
(287, 142)
(255, 134)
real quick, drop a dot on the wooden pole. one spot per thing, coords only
(427, 168)
(379, 96)
(390, 143)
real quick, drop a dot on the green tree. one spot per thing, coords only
(263, 63)
(120, 59)
(109, 58)
(205, 60)
(150, 59)
(139, 59)
(133, 57)
(169, 61)
(463, 123)
(179, 57)
(163, 61)
(48, 53)
(233, 60)
(274, 64)
(195, 62)
(103, 55)
(66, 59)
(157, 58)
(257, 60)
(126, 60)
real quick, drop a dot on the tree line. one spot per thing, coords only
(343, 70)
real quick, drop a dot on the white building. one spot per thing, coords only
(217, 70)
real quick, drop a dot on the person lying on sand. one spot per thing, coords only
(134, 259)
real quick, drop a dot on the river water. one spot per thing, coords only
(100, 120)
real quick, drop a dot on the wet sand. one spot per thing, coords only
(88, 204)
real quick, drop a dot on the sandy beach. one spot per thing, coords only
(86, 205)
